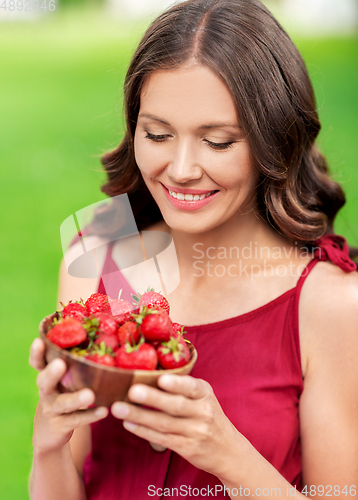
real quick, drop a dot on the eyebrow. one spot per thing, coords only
(203, 127)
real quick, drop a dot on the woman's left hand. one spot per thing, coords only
(190, 422)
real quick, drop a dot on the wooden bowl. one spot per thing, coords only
(109, 384)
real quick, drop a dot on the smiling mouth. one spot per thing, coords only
(190, 197)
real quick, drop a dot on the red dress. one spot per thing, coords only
(258, 384)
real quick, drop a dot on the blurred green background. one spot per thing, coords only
(61, 82)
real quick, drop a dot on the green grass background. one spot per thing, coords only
(61, 103)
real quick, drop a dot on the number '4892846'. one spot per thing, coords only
(329, 491)
(27, 5)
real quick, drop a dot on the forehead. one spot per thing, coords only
(193, 93)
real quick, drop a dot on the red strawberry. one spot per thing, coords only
(174, 353)
(121, 310)
(107, 324)
(140, 357)
(178, 328)
(156, 325)
(154, 343)
(128, 332)
(101, 359)
(74, 310)
(108, 340)
(152, 299)
(97, 302)
(101, 354)
(66, 333)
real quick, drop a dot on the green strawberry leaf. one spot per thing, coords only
(131, 348)
(136, 298)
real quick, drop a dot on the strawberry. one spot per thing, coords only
(79, 351)
(67, 332)
(154, 343)
(128, 332)
(101, 354)
(178, 328)
(140, 357)
(74, 310)
(151, 299)
(155, 325)
(106, 323)
(101, 359)
(121, 310)
(97, 302)
(108, 340)
(174, 353)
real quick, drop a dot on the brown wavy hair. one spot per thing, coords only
(242, 43)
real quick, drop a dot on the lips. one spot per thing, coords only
(189, 197)
(188, 191)
(182, 204)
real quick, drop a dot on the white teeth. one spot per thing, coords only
(189, 197)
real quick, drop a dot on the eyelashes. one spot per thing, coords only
(156, 138)
(220, 145)
(214, 145)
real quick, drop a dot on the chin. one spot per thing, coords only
(182, 224)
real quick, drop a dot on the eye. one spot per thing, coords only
(156, 138)
(220, 145)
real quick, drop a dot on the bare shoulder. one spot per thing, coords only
(328, 310)
(72, 287)
(328, 319)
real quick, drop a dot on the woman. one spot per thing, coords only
(219, 106)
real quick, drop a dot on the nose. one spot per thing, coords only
(183, 165)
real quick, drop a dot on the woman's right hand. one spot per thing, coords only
(58, 414)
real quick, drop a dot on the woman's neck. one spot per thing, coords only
(240, 238)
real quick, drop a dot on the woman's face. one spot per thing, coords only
(189, 143)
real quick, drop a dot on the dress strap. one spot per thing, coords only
(78, 236)
(108, 267)
(334, 248)
(329, 247)
(112, 280)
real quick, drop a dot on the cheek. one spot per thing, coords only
(235, 171)
(139, 152)
(149, 163)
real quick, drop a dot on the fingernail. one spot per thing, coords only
(130, 426)
(120, 410)
(36, 344)
(166, 381)
(138, 393)
(57, 367)
(101, 412)
(85, 397)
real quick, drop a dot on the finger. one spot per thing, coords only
(190, 387)
(172, 404)
(78, 418)
(161, 422)
(171, 441)
(50, 376)
(37, 354)
(182, 393)
(157, 447)
(71, 402)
